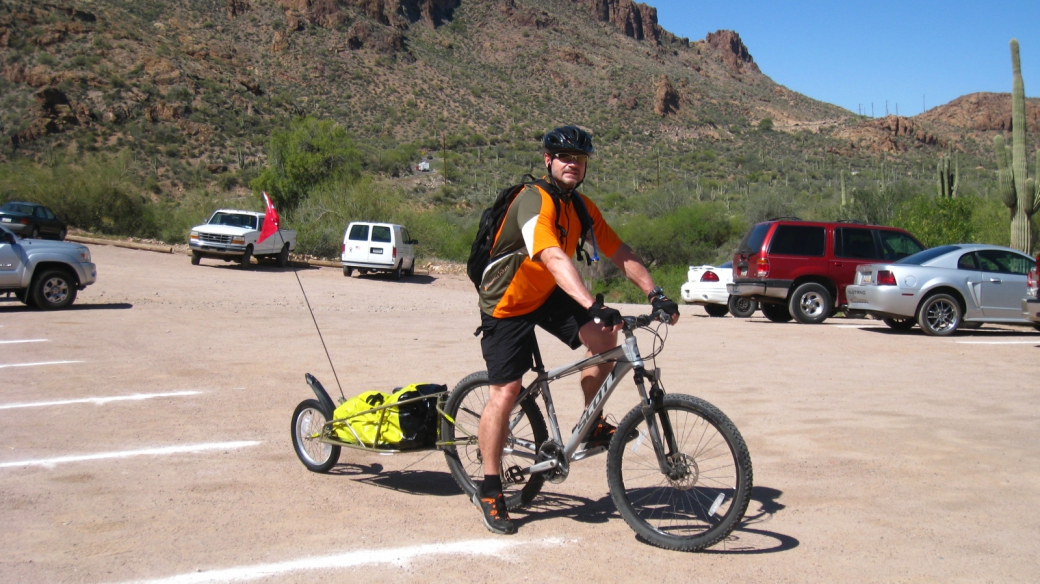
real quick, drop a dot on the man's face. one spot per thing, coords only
(568, 168)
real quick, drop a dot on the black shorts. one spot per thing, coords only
(508, 343)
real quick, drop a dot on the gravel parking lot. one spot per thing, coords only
(878, 456)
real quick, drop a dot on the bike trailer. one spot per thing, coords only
(404, 419)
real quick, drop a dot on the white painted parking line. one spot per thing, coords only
(189, 448)
(23, 341)
(395, 556)
(37, 364)
(1034, 342)
(99, 400)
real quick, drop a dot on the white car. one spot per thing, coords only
(233, 235)
(706, 286)
(378, 247)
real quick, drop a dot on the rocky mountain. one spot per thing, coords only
(210, 71)
(197, 86)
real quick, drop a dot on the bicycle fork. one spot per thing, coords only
(652, 406)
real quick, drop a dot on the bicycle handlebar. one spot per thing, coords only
(632, 322)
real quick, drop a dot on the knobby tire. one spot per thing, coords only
(675, 514)
(465, 404)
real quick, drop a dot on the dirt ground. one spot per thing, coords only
(877, 456)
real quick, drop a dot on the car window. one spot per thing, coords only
(17, 208)
(802, 240)
(752, 242)
(405, 236)
(38, 211)
(234, 220)
(358, 233)
(968, 262)
(380, 234)
(1004, 262)
(47, 213)
(896, 245)
(854, 243)
(922, 257)
(726, 265)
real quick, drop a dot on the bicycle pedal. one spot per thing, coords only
(515, 475)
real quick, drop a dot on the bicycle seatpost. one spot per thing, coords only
(539, 367)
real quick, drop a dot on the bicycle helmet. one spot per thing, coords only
(568, 138)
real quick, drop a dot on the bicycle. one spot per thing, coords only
(686, 490)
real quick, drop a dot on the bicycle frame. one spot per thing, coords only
(626, 358)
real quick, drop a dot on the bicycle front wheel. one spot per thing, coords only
(703, 497)
(459, 433)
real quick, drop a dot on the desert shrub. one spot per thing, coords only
(688, 235)
(308, 154)
(321, 218)
(95, 193)
(939, 221)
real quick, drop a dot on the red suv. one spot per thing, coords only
(800, 269)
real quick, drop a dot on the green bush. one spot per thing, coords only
(303, 157)
(687, 235)
(939, 220)
(95, 193)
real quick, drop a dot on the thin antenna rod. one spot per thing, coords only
(317, 328)
(311, 311)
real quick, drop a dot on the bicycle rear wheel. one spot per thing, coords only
(465, 405)
(709, 490)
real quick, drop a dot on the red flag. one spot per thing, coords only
(271, 221)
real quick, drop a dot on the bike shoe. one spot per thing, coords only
(601, 434)
(496, 517)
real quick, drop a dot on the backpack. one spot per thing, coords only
(411, 425)
(492, 217)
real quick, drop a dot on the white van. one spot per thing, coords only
(383, 247)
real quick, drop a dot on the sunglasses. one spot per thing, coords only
(570, 158)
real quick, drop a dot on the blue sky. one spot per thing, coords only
(852, 54)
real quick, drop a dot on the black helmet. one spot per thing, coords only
(569, 138)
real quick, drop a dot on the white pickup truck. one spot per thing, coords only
(232, 235)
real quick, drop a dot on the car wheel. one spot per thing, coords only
(776, 312)
(899, 324)
(741, 307)
(411, 269)
(810, 303)
(1036, 325)
(196, 257)
(53, 290)
(247, 255)
(283, 256)
(347, 271)
(939, 315)
(396, 273)
(716, 309)
(62, 234)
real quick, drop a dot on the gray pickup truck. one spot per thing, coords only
(45, 274)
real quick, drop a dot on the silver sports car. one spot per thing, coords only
(945, 288)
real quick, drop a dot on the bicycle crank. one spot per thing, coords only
(551, 450)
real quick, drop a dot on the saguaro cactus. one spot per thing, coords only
(1020, 193)
(843, 188)
(947, 177)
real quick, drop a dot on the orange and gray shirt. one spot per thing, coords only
(513, 283)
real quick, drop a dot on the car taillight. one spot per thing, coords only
(710, 277)
(23, 221)
(886, 278)
(1031, 284)
(763, 268)
(343, 248)
(395, 252)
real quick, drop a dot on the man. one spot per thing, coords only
(534, 283)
